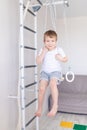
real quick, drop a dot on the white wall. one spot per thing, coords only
(72, 37)
(9, 23)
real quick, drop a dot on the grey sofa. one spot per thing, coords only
(72, 96)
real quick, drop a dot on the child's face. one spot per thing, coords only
(50, 42)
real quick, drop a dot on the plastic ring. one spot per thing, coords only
(70, 73)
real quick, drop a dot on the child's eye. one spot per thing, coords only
(47, 41)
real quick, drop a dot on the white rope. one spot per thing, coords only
(53, 15)
(68, 48)
(45, 25)
(54, 9)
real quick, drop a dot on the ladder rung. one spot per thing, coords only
(30, 66)
(39, 2)
(31, 102)
(26, 47)
(30, 121)
(29, 29)
(29, 11)
(30, 84)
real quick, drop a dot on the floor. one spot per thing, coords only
(53, 123)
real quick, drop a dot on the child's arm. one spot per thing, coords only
(60, 58)
(40, 57)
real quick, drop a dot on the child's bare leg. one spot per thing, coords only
(42, 88)
(54, 93)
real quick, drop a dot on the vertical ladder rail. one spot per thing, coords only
(36, 87)
(22, 95)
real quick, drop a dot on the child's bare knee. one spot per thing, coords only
(41, 89)
(53, 83)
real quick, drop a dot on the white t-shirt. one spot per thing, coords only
(50, 64)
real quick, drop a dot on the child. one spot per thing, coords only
(49, 56)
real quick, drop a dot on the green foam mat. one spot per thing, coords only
(79, 127)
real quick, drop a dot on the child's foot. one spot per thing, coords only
(38, 113)
(52, 112)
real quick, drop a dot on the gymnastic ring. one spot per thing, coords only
(70, 73)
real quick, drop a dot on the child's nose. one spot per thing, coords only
(51, 43)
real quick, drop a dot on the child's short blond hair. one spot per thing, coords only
(50, 33)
